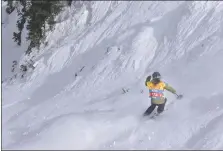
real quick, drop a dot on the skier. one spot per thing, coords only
(156, 89)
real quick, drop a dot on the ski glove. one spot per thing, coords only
(147, 80)
(179, 96)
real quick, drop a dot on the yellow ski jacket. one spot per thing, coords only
(156, 91)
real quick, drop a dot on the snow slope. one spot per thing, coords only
(74, 98)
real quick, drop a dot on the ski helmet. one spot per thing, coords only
(156, 75)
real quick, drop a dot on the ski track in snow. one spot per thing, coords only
(75, 99)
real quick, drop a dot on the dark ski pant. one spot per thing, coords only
(160, 108)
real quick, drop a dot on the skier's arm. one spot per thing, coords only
(147, 80)
(170, 89)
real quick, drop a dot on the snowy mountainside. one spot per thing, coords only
(74, 98)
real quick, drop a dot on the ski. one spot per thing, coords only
(154, 116)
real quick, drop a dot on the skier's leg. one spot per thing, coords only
(161, 107)
(150, 109)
